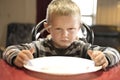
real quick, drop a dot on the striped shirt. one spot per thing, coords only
(44, 47)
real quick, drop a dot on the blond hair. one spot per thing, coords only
(62, 8)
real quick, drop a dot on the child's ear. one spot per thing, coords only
(46, 26)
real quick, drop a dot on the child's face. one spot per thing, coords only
(64, 30)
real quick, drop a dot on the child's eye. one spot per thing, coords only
(71, 29)
(57, 29)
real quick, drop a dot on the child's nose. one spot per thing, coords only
(65, 33)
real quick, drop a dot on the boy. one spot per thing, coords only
(63, 24)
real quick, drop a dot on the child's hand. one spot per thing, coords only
(23, 56)
(99, 58)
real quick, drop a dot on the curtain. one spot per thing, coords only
(41, 9)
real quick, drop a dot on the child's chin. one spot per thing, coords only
(65, 46)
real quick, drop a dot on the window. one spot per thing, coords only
(88, 10)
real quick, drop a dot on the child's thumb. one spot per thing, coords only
(32, 50)
(90, 53)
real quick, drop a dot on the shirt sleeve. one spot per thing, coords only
(112, 55)
(12, 51)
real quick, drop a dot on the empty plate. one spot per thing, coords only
(61, 65)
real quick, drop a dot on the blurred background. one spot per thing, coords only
(103, 16)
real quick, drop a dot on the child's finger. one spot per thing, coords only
(90, 53)
(28, 54)
(32, 50)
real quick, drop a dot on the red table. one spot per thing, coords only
(8, 72)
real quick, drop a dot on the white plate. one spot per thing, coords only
(61, 65)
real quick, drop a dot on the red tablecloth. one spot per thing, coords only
(8, 72)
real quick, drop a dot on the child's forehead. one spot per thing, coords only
(65, 19)
(66, 25)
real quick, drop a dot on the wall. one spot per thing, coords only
(41, 9)
(108, 12)
(23, 11)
